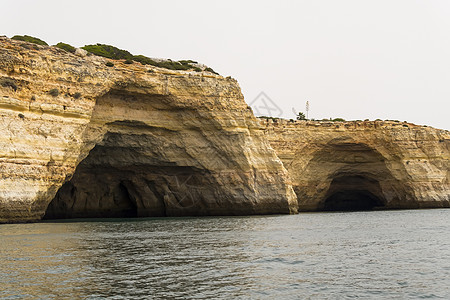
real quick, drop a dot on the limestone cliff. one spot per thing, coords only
(82, 138)
(363, 165)
(127, 140)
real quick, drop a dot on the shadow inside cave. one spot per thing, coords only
(106, 185)
(353, 193)
(345, 175)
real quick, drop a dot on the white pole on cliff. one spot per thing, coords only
(307, 110)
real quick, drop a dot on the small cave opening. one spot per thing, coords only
(353, 193)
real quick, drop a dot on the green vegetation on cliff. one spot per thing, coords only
(112, 52)
(301, 116)
(108, 51)
(30, 39)
(66, 47)
(168, 64)
(338, 120)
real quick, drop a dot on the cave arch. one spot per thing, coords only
(147, 152)
(345, 175)
(138, 165)
(115, 181)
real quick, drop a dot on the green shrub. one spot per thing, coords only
(301, 116)
(77, 95)
(167, 64)
(145, 60)
(338, 120)
(54, 92)
(108, 51)
(66, 47)
(109, 64)
(128, 62)
(187, 62)
(174, 65)
(8, 82)
(211, 70)
(112, 52)
(29, 39)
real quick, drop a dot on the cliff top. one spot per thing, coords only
(112, 57)
(49, 79)
(350, 125)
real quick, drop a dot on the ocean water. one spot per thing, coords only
(353, 255)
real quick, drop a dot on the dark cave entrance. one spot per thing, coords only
(108, 184)
(75, 200)
(104, 185)
(117, 180)
(353, 193)
(140, 164)
(344, 175)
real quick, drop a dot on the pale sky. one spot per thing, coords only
(354, 59)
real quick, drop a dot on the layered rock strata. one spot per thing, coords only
(81, 139)
(363, 165)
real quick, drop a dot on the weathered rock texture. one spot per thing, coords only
(128, 140)
(80, 139)
(363, 165)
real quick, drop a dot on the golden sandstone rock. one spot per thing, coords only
(81, 139)
(363, 164)
(146, 141)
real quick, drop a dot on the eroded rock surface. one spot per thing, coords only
(363, 165)
(128, 140)
(80, 139)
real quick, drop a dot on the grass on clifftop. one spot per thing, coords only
(66, 47)
(108, 51)
(112, 52)
(29, 39)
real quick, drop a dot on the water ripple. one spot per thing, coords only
(369, 255)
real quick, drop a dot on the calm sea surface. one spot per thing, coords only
(367, 255)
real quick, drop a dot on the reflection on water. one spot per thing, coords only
(371, 255)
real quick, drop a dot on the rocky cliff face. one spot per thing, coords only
(80, 139)
(363, 165)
